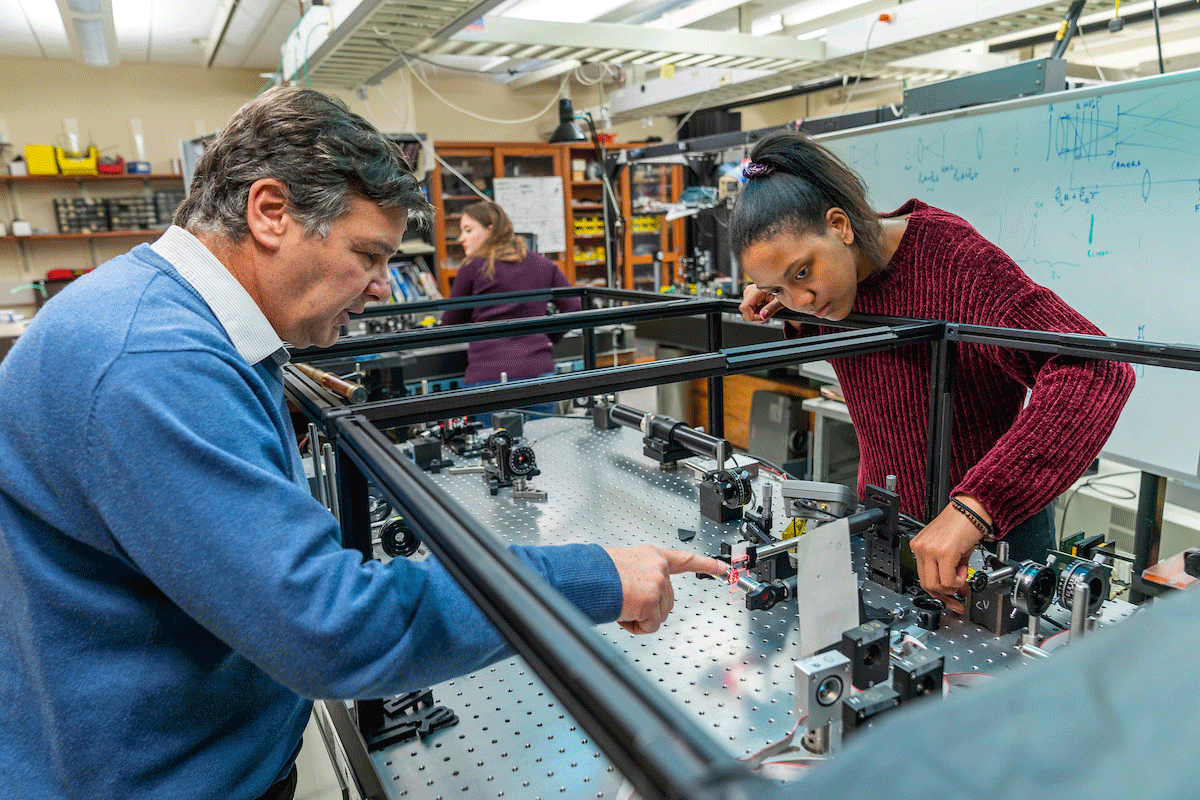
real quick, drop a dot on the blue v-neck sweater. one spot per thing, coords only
(172, 593)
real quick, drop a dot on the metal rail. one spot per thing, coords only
(663, 753)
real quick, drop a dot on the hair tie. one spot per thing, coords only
(756, 170)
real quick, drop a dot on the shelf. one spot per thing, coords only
(592, 263)
(415, 247)
(161, 176)
(42, 237)
(587, 206)
(596, 182)
(590, 236)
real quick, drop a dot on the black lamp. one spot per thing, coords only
(567, 130)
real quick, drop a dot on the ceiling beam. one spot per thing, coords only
(592, 34)
(794, 26)
(544, 74)
(694, 12)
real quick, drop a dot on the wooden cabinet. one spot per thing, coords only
(466, 170)
(652, 243)
(739, 390)
(640, 191)
(585, 218)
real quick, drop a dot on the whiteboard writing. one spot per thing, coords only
(535, 206)
(1095, 193)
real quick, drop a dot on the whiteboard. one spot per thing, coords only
(1095, 193)
(535, 206)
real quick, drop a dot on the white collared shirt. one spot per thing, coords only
(244, 322)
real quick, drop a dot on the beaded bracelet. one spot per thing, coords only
(988, 531)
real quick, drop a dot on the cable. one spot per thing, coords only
(279, 67)
(581, 78)
(1158, 39)
(1095, 63)
(405, 127)
(688, 115)
(562, 87)
(307, 40)
(429, 148)
(1092, 482)
(371, 111)
(862, 64)
(440, 65)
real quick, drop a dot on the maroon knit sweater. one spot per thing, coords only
(1012, 457)
(517, 356)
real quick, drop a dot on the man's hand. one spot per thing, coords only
(942, 550)
(757, 305)
(646, 591)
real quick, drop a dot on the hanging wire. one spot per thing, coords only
(433, 153)
(861, 65)
(689, 114)
(1095, 63)
(562, 87)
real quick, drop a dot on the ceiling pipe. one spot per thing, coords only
(220, 27)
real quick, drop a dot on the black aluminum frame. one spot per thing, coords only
(662, 753)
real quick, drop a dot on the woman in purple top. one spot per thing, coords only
(497, 261)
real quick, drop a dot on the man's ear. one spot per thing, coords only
(267, 212)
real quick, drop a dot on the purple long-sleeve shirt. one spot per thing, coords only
(518, 356)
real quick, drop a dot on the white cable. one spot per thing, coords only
(688, 115)
(562, 87)
(429, 147)
(863, 63)
(1096, 64)
(581, 78)
(606, 72)
(405, 124)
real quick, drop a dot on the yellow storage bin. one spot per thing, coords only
(84, 163)
(40, 159)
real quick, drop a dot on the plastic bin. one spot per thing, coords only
(84, 163)
(40, 159)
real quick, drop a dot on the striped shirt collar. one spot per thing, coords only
(247, 327)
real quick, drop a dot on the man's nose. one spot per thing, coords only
(379, 290)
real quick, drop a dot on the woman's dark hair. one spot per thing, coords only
(804, 181)
(320, 150)
(502, 243)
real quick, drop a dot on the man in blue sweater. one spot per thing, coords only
(173, 593)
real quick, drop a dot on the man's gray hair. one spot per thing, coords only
(319, 149)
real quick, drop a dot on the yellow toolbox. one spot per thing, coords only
(85, 163)
(40, 159)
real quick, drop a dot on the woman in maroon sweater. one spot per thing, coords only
(497, 261)
(805, 235)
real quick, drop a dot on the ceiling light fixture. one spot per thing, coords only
(90, 31)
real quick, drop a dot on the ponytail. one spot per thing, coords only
(793, 183)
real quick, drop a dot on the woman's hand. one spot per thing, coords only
(757, 305)
(942, 549)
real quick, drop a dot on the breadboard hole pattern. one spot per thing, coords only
(728, 668)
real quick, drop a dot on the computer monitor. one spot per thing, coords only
(530, 240)
(191, 150)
